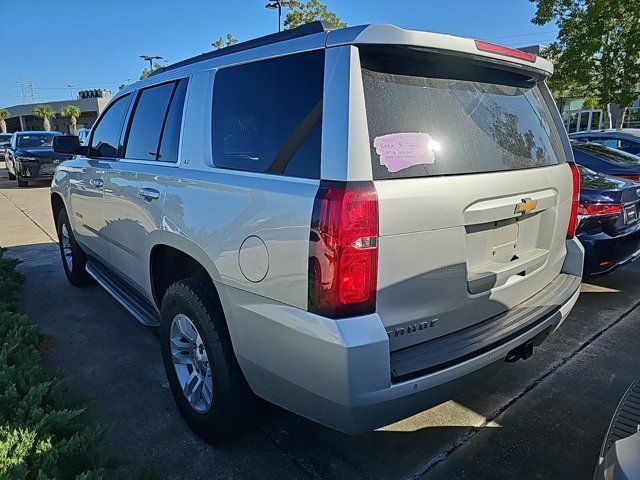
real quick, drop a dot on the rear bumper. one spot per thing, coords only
(339, 372)
(604, 254)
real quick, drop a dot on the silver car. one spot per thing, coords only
(351, 224)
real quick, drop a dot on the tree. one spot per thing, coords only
(597, 53)
(72, 112)
(46, 113)
(146, 72)
(306, 12)
(4, 114)
(224, 42)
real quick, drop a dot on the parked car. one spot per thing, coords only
(5, 139)
(83, 135)
(625, 139)
(620, 452)
(607, 160)
(355, 246)
(608, 228)
(30, 156)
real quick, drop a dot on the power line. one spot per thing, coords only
(522, 35)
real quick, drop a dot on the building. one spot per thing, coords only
(90, 103)
(576, 118)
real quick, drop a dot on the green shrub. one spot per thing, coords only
(42, 436)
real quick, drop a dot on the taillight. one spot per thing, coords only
(506, 51)
(575, 201)
(635, 178)
(600, 209)
(343, 249)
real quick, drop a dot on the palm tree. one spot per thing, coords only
(72, 112)
(46, 113)
(4, 114)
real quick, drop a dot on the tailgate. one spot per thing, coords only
(473, 187)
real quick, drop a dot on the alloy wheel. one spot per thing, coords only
(191, 362)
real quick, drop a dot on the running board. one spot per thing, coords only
(135, 303)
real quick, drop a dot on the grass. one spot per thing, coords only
(42, 433)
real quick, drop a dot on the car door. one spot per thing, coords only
(87, 179)
(135, 191)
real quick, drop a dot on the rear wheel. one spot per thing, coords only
(205, 378)
(73, 258)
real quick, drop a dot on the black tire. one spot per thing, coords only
(20, 182)
(234, 408)
(10, 175)
(76, 272)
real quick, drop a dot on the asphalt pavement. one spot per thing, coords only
(540, 418)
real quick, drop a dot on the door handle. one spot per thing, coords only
(96, 182)
(149, 193)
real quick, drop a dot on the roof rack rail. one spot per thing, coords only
(301, 31)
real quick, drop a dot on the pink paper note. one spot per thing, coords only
(403, 150)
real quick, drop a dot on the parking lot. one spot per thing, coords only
(540, 418)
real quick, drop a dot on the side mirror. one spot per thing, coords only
(66, 144)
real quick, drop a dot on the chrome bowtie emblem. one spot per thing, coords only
(56, 161)
(526, 206)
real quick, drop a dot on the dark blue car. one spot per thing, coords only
(608, 225)
(607, 160)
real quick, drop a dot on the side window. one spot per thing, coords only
(267, 116)
(155, 124)
(608, 142)
(629, 146)
(106, 135)
(171, 133)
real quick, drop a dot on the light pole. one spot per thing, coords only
(150, 59)
(70, 92)
(277, 5)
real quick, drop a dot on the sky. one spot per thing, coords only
(97, 43)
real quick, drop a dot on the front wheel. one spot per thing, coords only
(205, 378)
(11, 176)
(21, 183)
(73, 258)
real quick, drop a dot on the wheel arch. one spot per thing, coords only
(171, 258)
(57, 205)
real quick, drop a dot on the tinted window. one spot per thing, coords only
(106, 135)
(267, 116)
(5, 138)
(171, 133)
(447, 119)
(146, 125)
(609, 154)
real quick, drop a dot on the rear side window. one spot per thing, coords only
(267, 116)
(439, 119)
(106, 135)
(155, 125)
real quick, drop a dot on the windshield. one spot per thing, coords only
(617, 157)
(32, 140)
(424, 123)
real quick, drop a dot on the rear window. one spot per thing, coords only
(437, 120)
(611, 155)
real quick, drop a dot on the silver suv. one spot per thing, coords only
(351, 224)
